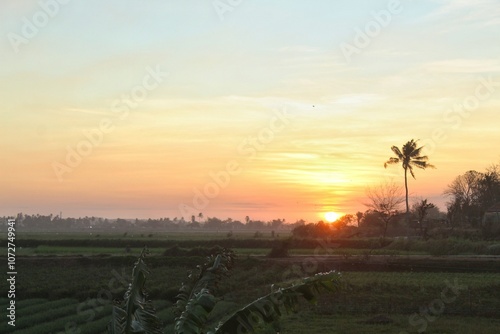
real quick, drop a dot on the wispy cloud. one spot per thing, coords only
(298, 49)
(88, 111)
(461, 12)
(356, 99)
(478, 66)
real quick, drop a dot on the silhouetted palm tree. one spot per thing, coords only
(409, 157)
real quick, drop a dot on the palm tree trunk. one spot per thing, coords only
(407, 206)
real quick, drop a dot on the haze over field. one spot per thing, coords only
(282, 109)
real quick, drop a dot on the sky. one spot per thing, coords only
(267, 109)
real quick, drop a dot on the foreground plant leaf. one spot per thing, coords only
(268, 309)
(196, 298)
(135, 314)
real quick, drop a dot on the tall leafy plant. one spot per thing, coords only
(197, 299)
(285, 300)
(135, 314)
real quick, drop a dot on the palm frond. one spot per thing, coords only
(412, 149)
(268, 309)
(398, 152)
(409, 156)
(421, 164)
(391, 161)
(410, 168)
(409, 147)
(421, 158)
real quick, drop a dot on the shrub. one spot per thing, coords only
(494, 249)
(195, 251)
(258, 234)
(280, 249)
(455, 247)
(174, 251)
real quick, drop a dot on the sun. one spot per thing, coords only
(331, 216)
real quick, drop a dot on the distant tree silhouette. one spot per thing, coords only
(472, 194)
(311, 230)
(409, 157)
(422, 208)
(344, 221)
(359, 216)
(385, 199)
(463, 191)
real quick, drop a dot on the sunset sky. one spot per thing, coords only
(132, 108)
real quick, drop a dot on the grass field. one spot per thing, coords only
(365, 295)
(145, 235)
(39, 316)
(120, 251)
(62, 289)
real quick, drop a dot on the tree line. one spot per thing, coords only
(470, 196)
(55, 222)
